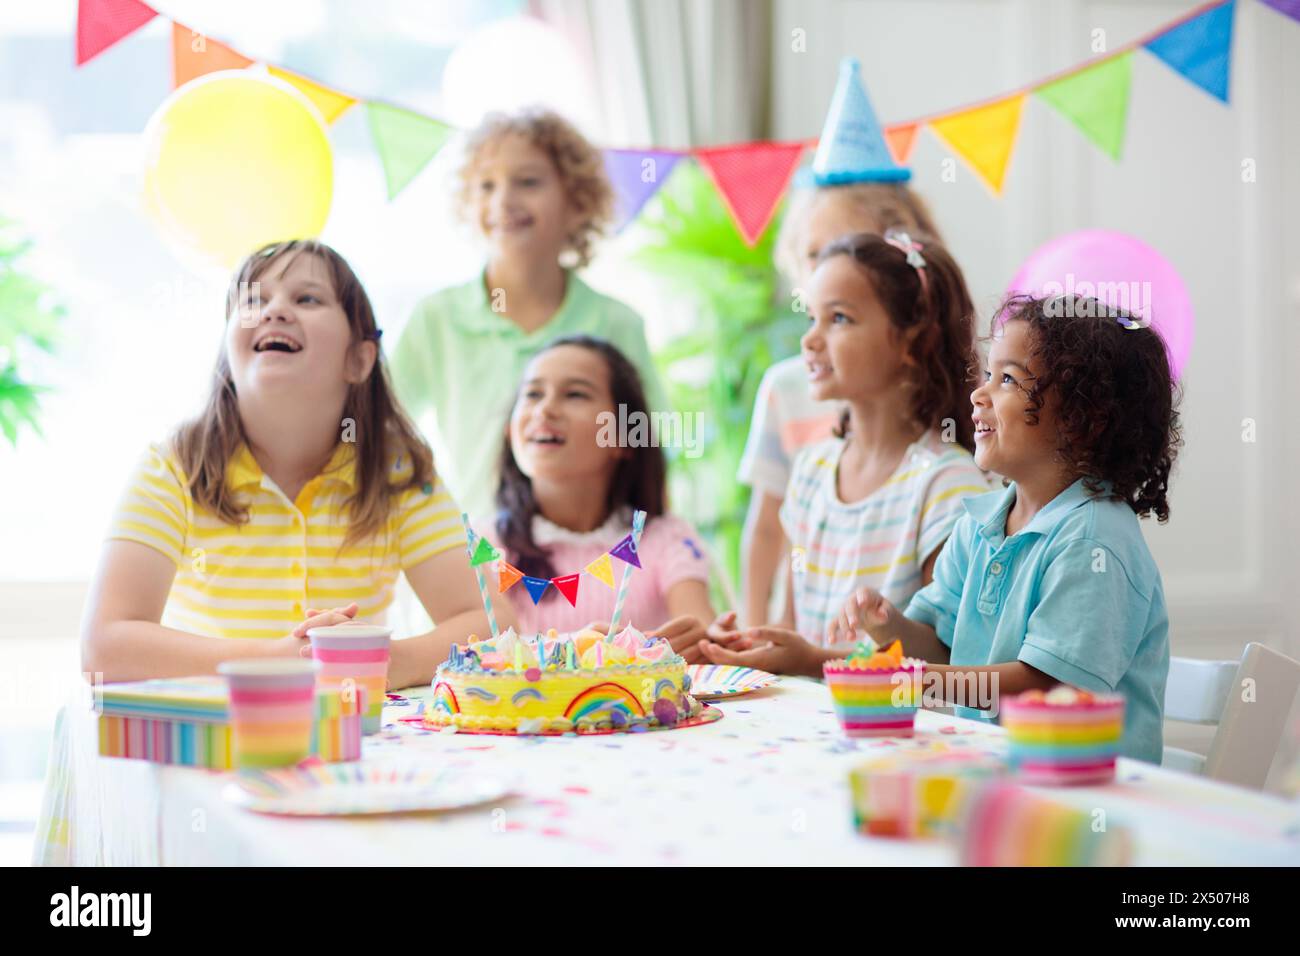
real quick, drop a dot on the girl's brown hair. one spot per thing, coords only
(883, 206)
(204, 445)
(939, 315)
(580, 166)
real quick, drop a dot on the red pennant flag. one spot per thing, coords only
(752, 178)
(568, 586)
(507, 576)
(193, 55)
(900, 140)
(101, 23)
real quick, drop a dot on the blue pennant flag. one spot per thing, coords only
(536, 587)
(1201, 49)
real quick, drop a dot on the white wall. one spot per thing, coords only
(1230, 565)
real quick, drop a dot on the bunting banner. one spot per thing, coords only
(483, 553)
(507, 576)
(568, 586)
(1288, 8)
(536, 587)
(753, 178)
(602, 570)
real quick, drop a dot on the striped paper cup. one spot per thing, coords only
(272, 709)
(875, 703)
(336, 732)
(355, 656)
(1053, 743)
(1007, 825)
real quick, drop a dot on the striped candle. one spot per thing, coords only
(355, 656)
(638, 522)
(478, 574)
(272, 706)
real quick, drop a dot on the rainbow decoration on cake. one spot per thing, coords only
(553, 684)
(1007, 825)
(1064, 736)
(876, 693)
(917, 793)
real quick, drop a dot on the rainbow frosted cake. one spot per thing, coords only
(1064, 735)
(548, 684)
(876, 693)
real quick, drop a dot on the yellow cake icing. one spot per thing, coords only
(505, 686)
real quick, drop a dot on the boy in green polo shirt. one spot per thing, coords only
(538, 192)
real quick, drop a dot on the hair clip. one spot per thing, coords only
(911, 248)
(376, 335)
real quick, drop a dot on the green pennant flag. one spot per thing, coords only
(405, 141)
(1096, 100)
(483, 553)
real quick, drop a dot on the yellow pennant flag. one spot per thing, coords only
(602, 570)
(331, 103)
(984, 137)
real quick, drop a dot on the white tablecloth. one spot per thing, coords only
(766, 784)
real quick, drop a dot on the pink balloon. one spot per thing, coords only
(1121, 271)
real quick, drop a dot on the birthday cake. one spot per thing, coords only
(551, 684)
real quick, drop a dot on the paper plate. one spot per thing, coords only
(714, 681)
(330, 790)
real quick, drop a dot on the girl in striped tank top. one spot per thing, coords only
(891, 329)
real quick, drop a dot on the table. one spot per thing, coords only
(767, 784)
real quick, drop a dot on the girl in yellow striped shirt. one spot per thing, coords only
(301, 485)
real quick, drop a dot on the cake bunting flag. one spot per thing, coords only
(483, 553)
(852, 148)
(194, 55)
(602, 570)
(507, 576)
(568, 586)
(536, 587)
(632, 540)
(1200, 49)
(625, 551)
(102, 23)
(331, 103)
(478, 576)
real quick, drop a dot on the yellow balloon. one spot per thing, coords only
(235, 160)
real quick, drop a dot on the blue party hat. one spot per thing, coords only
(852, 147)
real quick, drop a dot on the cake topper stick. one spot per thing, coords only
(638, 522)
(478, 573)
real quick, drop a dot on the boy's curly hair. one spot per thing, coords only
(1117, 400)
(580, 166)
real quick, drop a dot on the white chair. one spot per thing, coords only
(1248, 699)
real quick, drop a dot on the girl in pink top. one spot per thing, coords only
(569, 483)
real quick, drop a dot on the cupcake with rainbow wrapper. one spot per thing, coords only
(917, 793)
(1007, 825)
(876, 693)
(1064, 736)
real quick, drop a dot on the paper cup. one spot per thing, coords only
(355, 656)
(336, 732)
(1053, 744)
(272, 709)
(875, 703)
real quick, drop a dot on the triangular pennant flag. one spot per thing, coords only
(194, 55)
(1200, 49)
(751, 178)
(405, 141)
(1096, 100)
(636, 175)
(602, 570)
(483, 553)
(625, 550)
(900, 140)
(101, 23)
(536, 587)
(851, 148)
(331, 103)
(1288, 8)
(507, 576)
(984, 136)
(568, 586)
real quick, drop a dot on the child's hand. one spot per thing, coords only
(775, 649)
(319, 618)
(683, 635)
(865, 610)
(723, 631)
